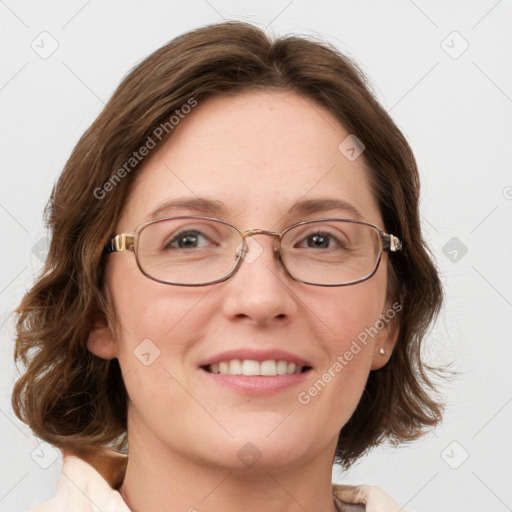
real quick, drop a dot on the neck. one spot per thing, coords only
(160, 479)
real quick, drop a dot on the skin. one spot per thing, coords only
(258, 152)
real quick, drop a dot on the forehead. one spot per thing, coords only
(257, 152)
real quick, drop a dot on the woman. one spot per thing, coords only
(236, 289)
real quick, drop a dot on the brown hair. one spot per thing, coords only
(76, 400)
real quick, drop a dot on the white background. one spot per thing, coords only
(455, 112)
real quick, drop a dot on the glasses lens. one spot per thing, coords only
(188, 250)
(331, 252)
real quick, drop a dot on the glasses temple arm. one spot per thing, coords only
(391, 242)
(119, 243)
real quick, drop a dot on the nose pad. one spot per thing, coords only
(277, 255)
(250, 254)
(241, 250)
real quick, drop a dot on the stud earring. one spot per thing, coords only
(381, 351)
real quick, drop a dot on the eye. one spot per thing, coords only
(318, 241)
(321, 240)
(187, 239)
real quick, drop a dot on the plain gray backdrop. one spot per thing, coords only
(442, 70)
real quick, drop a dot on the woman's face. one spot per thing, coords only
(255, 155)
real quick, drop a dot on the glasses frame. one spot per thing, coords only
(123, 242)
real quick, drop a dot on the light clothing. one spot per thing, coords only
(91, 487)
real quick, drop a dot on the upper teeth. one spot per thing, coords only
(251, 367)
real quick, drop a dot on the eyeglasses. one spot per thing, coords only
(198, 251)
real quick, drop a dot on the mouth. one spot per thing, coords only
(251, 367)
(256, 372)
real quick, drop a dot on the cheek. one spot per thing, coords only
(350, 312)
(347, 317)
(146, 309)
(153, 334)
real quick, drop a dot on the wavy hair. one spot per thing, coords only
(77, 401)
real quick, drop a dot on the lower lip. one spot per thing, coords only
(257, 385)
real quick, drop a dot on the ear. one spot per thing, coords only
(384, 343)
(101, 341)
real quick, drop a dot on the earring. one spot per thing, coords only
(381, 351)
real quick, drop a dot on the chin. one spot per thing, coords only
(257, 452)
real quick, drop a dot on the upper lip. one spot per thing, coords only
(256, 355)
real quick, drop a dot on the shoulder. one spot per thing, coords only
(364, 498)
(87, 483)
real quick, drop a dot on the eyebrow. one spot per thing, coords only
(196, 204)
(217, 208)
(310, 206)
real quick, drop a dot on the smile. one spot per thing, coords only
(250, 367)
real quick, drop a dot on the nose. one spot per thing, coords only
(260, 291)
